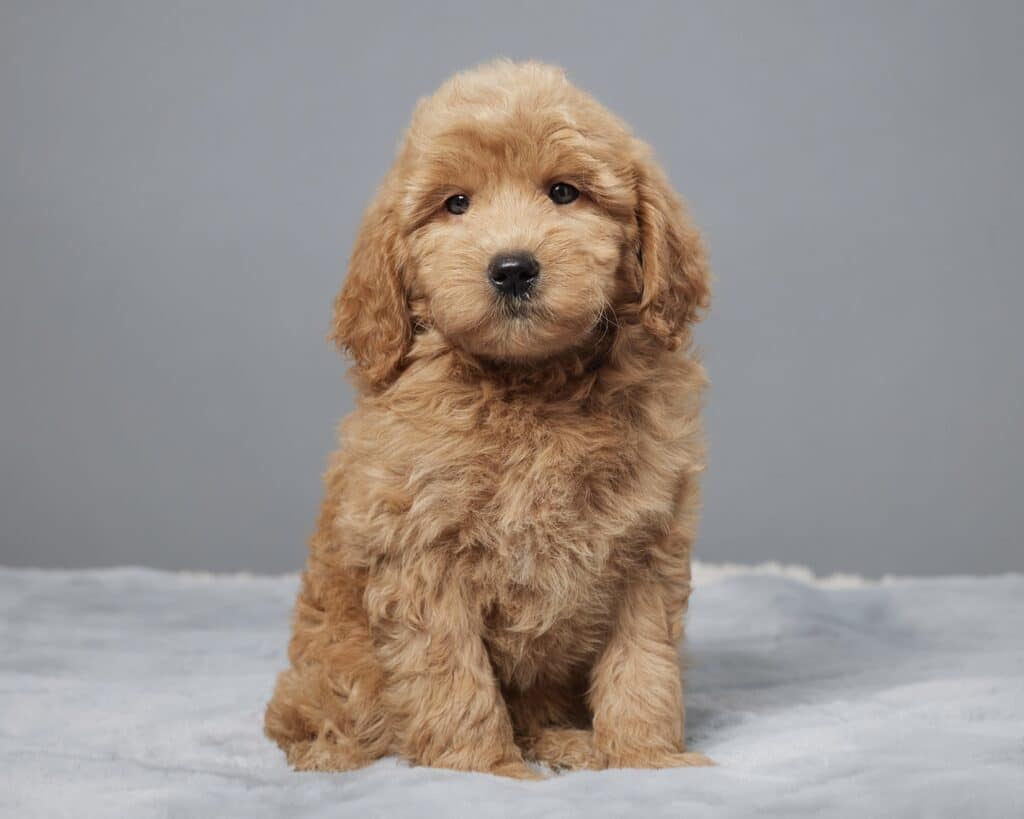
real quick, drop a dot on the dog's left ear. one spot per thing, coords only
(371, 313)
(674, 273)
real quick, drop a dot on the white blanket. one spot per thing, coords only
(136, 693)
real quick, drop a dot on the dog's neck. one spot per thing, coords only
(611, 360)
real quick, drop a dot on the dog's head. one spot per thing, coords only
(519, 217)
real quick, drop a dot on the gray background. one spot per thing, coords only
(180, 184)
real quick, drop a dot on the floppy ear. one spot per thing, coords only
(371, 313)
(675, 279)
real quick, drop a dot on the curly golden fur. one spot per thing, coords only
(501, 565)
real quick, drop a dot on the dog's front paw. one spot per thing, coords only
(574, 749)
(657, 758)
(566, 749)
(516, 769)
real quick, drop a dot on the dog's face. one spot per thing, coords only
(520, 219)
(513, 251)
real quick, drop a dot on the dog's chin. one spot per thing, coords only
(521, 335)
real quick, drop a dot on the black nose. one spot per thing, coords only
(513, 274)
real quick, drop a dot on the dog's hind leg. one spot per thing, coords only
(326, 712)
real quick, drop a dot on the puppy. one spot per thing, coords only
(501, 565)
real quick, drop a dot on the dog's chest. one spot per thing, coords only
(550, 515)
(553, 489)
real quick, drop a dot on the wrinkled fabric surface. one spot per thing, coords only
(137, 693)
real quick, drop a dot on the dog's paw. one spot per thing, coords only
(658, 759)
(566, 749)
(574, 750)
(324, 756)
(516, 769)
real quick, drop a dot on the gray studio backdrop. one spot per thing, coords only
(180, 184)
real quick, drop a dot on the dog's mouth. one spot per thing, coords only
(518, 308)
(530, 325)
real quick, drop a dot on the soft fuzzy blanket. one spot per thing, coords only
(136, 693)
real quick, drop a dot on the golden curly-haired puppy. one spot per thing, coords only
(502, 561)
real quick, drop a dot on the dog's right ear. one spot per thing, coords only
(371, 313)
(676, 281)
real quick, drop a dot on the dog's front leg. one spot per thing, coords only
(636, 688)
(440, 687)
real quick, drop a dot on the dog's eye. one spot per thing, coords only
(562, 193)
(457, 204)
